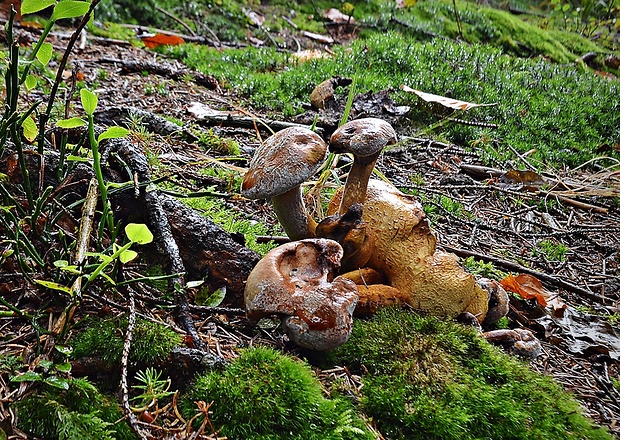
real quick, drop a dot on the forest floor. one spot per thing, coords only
(581, 345)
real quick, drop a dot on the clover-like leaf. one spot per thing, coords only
(70, 123)
(89, 101)
(113, 133)
(32, 6)
(138, 233)
(70, 9)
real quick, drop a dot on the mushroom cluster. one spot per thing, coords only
(382, 236)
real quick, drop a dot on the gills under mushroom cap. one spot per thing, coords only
(296, 282)
(285, 160)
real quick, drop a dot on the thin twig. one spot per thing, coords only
(129, 414)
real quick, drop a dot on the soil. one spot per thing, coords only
(581, 349)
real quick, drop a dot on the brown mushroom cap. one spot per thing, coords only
(405, 252)
(285, 160)
(296, 282)
(280, 165)
(364, 138)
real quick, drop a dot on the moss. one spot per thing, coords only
(266, 395)
(151, 342)
(431, 379)
(77, 413)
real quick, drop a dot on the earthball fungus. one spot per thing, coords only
(297, 282)
(279, 166)
(404, 252)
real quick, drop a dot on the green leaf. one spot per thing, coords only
(64, 349)
(74, 158)
(127, 256)
(138, 233)
(89, 101)
(71, 123)
(216, 298)
(31, 6)
(69, 9)
(71, 268)
(65, 367)
(28, 376)
(31, 82)
(113, 133)
(57, 382)
(46, 364)
(61, 263)
(44, 55)
(30, 129)
(54, 286)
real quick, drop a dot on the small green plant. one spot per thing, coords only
(208, 140)
(54, 374)
(551, 250)
(152, 389)
(482, 269)
(266, 395)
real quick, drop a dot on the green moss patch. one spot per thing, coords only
(81, 412)
(266, 395)
(151, 342)
(425, 378)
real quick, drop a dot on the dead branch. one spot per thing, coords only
(164, 69)
(543, 277)
(251, 123)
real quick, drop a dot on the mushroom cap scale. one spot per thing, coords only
(362, 137)
(285, 160)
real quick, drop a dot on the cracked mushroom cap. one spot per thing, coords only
(296, 282)
(285, 160)
(405, 253)
(362, 137)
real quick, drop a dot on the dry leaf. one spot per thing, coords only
(528, 287)
(336, 16)
(254, 17)
(310, 54)
(446, 102)
(162, 40)
(517, 180)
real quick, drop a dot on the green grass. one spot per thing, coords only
(563, 113)
(265, 395)
(425, 378)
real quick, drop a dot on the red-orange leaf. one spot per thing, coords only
(528, 287)
(162, 40)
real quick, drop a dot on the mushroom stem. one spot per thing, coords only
(357, 182)
(291, 212)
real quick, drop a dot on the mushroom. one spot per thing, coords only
(297, 282)
(364, 138)
(279, 166)
(518, 341)
(404, 251)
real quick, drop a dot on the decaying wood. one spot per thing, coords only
(152, 122)
(164, 69)
(251, 123)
